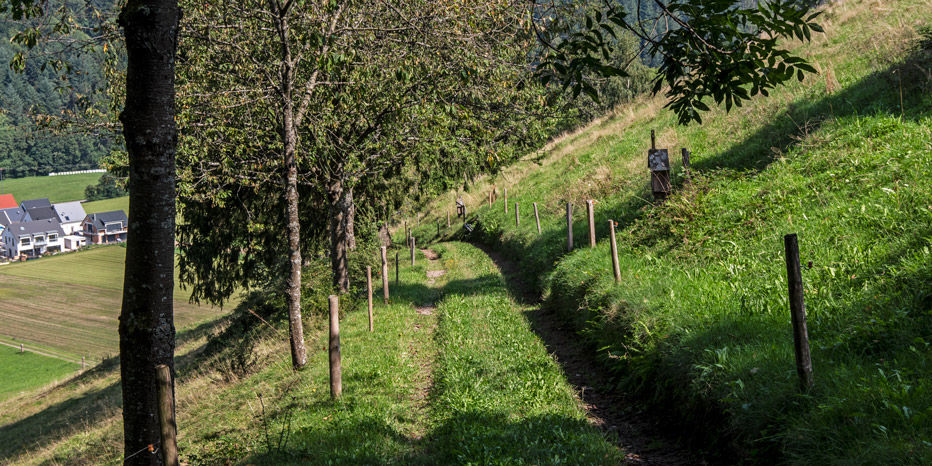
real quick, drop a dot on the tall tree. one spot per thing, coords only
(147, 330)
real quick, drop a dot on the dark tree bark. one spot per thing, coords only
(147, 330)
(340, 204)
(351, 222)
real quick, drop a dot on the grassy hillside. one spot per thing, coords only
(61, 188)
(700, 320)
(106, 205)
(70, 302)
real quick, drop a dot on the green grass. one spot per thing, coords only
(70, 302)
(106, 205)
(700, 321)
(62, 188)
(23, 372)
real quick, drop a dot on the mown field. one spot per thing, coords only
(106, 205)
(700, 321)
(21, 372)
(61, 188)
(70, 302)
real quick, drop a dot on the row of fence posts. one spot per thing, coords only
(166, 408)
(658, 163)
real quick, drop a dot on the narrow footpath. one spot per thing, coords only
(641, 433)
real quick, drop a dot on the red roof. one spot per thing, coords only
(7, 201)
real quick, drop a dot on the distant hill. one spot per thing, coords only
(25, 150)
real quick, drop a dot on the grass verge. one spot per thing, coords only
(23, 372)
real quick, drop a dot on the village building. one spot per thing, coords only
(105, 227)
(32, 238)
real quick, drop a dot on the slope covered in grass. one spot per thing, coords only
(700, 320)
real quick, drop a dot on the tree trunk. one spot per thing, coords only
(290, 142)
(147, 329)
(339, 209)
(351, 222)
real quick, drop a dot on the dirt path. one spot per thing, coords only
(425, 358)
(640, 433)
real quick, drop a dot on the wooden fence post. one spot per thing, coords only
(83, 364)
(336, 373)
(569, 226)
(615, 266)
(448, 218)
(506, 199)
(537, 218)
(590, 210)
(396, 268)
(798, 312)
(517, 218)
(369, 291)
(167, 429)
(22, 349)
(407, 234)
(686, 163)
(385, 273)
(412, 251)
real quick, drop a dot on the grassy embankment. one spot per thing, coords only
(62, 188)
(700, 321)
(465, 382)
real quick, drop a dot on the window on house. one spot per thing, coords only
(53, 237)
(25, 242)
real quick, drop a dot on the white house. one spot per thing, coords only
(33, 238)
(70, 214)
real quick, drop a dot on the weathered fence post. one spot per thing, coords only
(686, 164)
(569, 226)
(385, 273)
(83, 364)
(369, 292)
(448, 218)
(590, 210)
(412, 251)
(537, 218)
(517, 218)
(615, 267)
(506, 199)
(167, 429)
(396, 268)
(798, 312)
(336, 373)
(22, 349)
(407, 234)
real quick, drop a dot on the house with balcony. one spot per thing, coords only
(32, 238)
(105, 227)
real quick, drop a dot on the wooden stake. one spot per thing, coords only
(83, 365)
(506, 199)
(590, 209)
(517, 218)
(22, 349)
(615, 266)
(537, 218)
(412, 251)
(167, 428)
(385, 273)
(336, 373)
(569, 226)
(396, 268)
(798, 312)
(448, 218)
(369, 290)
